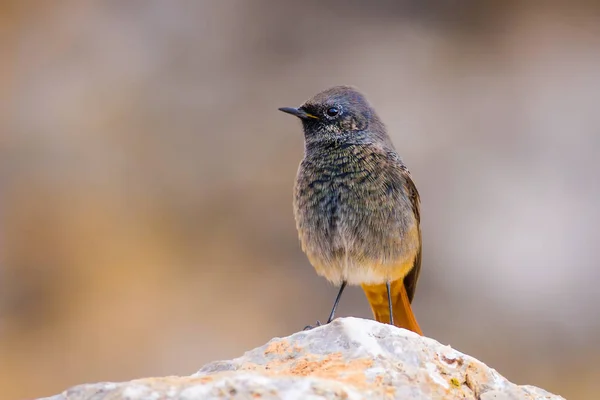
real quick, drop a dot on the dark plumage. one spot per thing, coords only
(356, 207)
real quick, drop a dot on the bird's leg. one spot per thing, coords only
(332, 314)
(337, 300)
(389, 293)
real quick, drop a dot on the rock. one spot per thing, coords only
(350, 358)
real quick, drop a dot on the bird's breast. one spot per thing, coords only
(350, 210)
(328, 194)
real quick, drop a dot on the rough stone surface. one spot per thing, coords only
(348, 359)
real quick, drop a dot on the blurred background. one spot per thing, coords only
(146, 177)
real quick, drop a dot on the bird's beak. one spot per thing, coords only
(298, 112)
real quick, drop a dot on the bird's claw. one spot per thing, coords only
(309, 327)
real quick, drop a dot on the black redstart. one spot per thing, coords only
(356, 206)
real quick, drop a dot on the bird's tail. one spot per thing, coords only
(378, 299)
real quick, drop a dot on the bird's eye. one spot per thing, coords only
(332, 112)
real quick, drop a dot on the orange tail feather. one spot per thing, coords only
(403, 315)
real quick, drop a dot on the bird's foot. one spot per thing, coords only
(309, 327)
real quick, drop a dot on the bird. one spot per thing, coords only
(356, 207)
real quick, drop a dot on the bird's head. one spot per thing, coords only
(339, 113)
